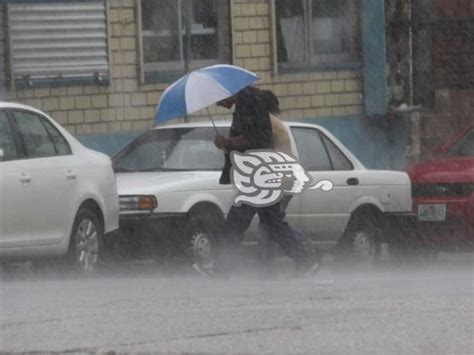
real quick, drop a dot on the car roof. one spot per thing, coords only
(13, 105)
(224, 124)
(5, 104)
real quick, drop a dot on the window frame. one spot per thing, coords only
(20, 138)
(327, 58)
(353, 62)
(163, 72)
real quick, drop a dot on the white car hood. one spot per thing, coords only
(153, 182)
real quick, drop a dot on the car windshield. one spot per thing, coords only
(172, 149)
(464, 147)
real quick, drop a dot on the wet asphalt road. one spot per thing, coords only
(423, 309)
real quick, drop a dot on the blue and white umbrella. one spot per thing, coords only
(201, 88)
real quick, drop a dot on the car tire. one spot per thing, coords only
(360, 243)
(86, 242)
(202, 237)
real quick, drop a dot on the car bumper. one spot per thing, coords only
(147, 216)
(399, 225)
(146, 235)
(455, 226)
(137, 226)
(111, 214)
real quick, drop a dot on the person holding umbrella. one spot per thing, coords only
(251, 128)
(230, 85)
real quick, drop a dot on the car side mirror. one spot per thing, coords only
(2, 154)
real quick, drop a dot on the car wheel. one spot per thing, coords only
(202, 240)
(86, 241)
(360, 243)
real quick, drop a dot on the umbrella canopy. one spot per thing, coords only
(201, 88)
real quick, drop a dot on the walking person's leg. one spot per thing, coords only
(281, 232)
(267, 249)
(265, 246)
(301, 238)
(237, 222)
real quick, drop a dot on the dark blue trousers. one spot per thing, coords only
(238, 221)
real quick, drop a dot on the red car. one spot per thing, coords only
(443, 196)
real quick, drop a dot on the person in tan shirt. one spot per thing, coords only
(266, 248)
(281, 137)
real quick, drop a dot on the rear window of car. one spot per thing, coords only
(172, 149)
(464, 147)
(40, 137)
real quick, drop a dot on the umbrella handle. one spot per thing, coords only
(212, 120)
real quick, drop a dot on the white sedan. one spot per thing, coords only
(57, 198)
(169, 191)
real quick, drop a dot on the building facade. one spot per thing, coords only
(430, 61)
(99, 67)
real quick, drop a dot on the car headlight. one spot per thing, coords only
(138, 203)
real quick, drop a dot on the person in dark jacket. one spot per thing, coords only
(251, 129)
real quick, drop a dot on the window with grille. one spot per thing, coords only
(316, 32)
(168, 47)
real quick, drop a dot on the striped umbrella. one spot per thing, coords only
(200, 89)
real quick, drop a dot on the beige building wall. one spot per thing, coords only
(128, 105)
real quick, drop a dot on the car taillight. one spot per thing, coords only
(138, 203)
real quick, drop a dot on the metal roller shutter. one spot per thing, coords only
(58, 40)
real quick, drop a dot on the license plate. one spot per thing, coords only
(432, 213)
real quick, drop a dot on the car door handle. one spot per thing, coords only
(25, 178)
(352, 181)
(70, 175)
